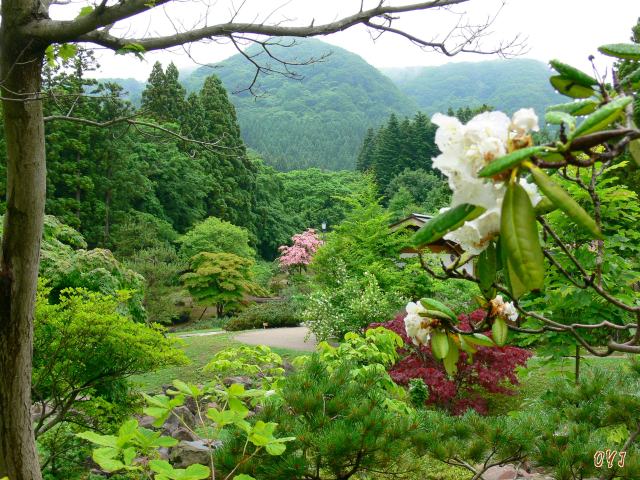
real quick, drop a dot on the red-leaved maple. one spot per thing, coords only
(492, 369)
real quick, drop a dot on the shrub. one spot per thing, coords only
(492, 371)
(341, 424)
(216, 236)
(274, 314)
(349, 307)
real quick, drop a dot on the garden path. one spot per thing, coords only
(292, 338)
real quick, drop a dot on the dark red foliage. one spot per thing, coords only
(492, 370)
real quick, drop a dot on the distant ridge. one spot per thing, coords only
(504, 84)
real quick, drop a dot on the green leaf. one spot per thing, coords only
(632, 79)
(439, 344)
(581, 107)
(519, 233)
(602, 117)
(499, 331)
(509, 161)
(67, 51)
(243, 476)
(431, 304)
(466, 346)
(105, 458)
(487, 268)
(276, 448)
(626, 51)
(558, 118)
(197, 472)
(570, 88)
(84, 11)
(479, 339)
(544, 206)
(450, 361)
(572, 73)
(104, 440)
(561, 198)
(128, 455)
(445, 222)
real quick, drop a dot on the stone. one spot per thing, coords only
(184, 434)
(189, 452)
(146, 421)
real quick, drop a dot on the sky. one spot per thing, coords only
(569, 30)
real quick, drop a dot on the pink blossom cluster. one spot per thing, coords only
(299, 254)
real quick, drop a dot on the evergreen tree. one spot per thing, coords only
(163, 98)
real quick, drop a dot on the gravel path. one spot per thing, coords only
(291, 338)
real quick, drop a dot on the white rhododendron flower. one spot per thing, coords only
(468, 148)
(503, 309)
(525, 120)
(416, 326)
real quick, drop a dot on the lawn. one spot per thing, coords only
(199, 349)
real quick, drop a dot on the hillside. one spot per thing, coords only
(504, 84)
(319, 121)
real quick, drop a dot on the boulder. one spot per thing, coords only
(189, 452)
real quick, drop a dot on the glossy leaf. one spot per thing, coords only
(450, 361)
(479, 339)
(634, 149)
(632, 79)
(570, 88)
(519, 233)
(508, 161)
(440, 225)
(558, 118)
(487, 267)
(602, 117)
(572, 73)
(626, 51)
(431, 304)
(561, 198)
(499, 331)
(581, 107)
(439, 344)
(544, 206)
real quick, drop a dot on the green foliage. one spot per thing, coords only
(348, 306)
(398, 146)
(427, 192)
(223, 279)
(341, 423)
(272, 314)
(474, 442)
(363, 243)
(598, 414)
(256, 361)
(84, 351)
(318, 121)
(216, 236)
(160, 267)
(142, 231)
(507, 85)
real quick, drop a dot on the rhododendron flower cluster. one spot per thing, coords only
(299, 254)
(493, 369)
(468, 148)
(506, 310)
(417, 327)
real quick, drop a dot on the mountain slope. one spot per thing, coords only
(504, 84)
(319, 121)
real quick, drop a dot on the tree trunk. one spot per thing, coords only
(20, 71)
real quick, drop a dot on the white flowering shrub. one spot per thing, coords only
(506, 191)
(351, 307)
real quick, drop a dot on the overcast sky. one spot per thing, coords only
(569, 30)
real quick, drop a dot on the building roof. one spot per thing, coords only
(413, 221)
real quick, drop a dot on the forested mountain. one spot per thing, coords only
(317, 121)
(504, 84)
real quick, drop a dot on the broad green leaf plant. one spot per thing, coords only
(220, 411)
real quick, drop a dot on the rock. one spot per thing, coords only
(184, 434)
(163, 453)
(189, 452)
(506, 472)
(246, 381)
(146, 421)
(184, 414)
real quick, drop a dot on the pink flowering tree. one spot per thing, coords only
(299, 254)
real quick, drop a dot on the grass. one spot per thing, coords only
(199, 349)
(539, 374)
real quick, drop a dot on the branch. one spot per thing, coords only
(130, 120)
(88, 28)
